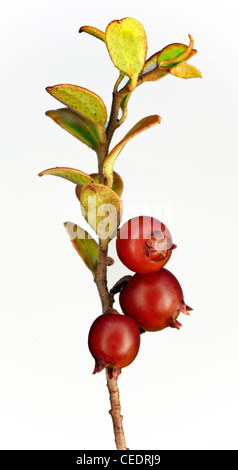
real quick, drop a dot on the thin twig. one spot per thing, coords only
(115, 413)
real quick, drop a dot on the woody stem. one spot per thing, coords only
(101, 277)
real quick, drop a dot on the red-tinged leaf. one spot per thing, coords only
(71, 174)
(142, 125)
(83, 102)
(84, 244)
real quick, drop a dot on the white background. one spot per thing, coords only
(181, 391)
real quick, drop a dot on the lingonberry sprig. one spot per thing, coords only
(144, 244)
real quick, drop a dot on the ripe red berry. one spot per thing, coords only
(154, 300)
(113, 341)
(144, 244)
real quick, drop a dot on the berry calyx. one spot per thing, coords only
(144, 244)
(154, 300)
(157, 248)
(114, 342)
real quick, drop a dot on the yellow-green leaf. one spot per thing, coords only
(142, 125)
(71, 174)
(102, 209)
(84, 244)
(82, 101)
(127, 46)
(94, 32)
(185, 71)
(117, 186)
(78, 126)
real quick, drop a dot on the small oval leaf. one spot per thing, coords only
(82, 101)
(94, 32)
(142, 125)
(79, 127)
(127, 46)
(71, 174)
(84, 244)
(185, 71)
(102, 209)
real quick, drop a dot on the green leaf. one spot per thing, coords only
(171, 52)
(185, 71)
(127, 46)
(79, 127)
(82, 101)
(175, 53)
(142, 125)
(117, 186)
(94, 32)
(71, 174)
(102, 209)
(84, 244)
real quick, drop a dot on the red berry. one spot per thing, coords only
(113, 341)
(144, 244)
(154, 300)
